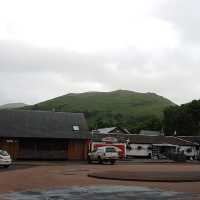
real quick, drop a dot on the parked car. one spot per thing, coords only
(104, 154)
(5, 159)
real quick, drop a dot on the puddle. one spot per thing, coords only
(99, 193)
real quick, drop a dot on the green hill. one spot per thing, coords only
(12, 105)
(117, 108)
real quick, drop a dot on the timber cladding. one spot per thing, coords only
(44, 135)
(40, 149)
(44, 149)
(77, 150)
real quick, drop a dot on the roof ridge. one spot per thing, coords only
(181, 139)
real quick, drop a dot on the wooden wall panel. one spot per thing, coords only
(46, 149)
(77, 150)
(43, 149)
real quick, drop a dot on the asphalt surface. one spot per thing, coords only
(69, 180)
(100, 193)
(14, 167)
(156, 176)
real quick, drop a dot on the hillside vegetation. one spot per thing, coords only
(12, 105)
(184, 119)
(118, 108)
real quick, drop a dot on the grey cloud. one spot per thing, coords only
(185, 17)
(22, 59)
(30, 74)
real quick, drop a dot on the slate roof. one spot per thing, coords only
(42, 124)
(144, 139)
(106, 130)
(150, 133)
(110, 129)
(194, 139)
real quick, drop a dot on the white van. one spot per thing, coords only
(5, 159)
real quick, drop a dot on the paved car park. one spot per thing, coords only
(100, 193)
(14, 168)
(37, 179)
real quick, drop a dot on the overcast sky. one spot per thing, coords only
(50, 48)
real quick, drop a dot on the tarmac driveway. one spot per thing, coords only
(14, 167)
(69, 180)
(100, 193)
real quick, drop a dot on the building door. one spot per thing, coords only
(77, 150)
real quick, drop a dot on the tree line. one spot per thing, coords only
(177, 120)
(182, 120)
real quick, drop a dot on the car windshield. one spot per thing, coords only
(110, 149)
(3, 153)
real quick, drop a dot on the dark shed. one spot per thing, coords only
(44, 134)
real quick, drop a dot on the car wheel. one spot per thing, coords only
(112, 162)
(6, 166)
(100, 160)
(89, 160)
(149, 156)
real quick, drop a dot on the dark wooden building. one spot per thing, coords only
(44, 135)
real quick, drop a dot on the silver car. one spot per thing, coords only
(104, 154)
(5, 159)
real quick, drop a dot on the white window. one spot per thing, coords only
(76, 128)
